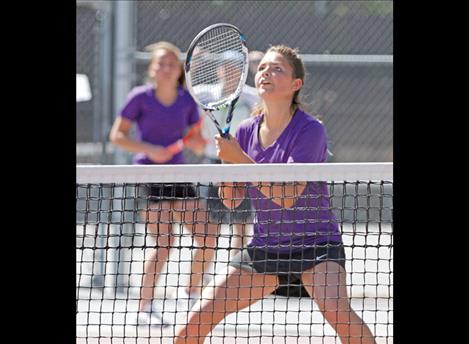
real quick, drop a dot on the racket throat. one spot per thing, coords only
(215, 122)
(226, 130)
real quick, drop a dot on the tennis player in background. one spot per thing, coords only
(299, 244)
(162, 112)
(242, 216)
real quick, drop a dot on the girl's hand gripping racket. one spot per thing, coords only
(216, 69)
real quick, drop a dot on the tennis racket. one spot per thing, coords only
(216, 69)
(178, 146)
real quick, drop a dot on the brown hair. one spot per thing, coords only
(293, 58)
(171, 48)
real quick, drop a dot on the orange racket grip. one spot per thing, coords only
(193, 130)
(176, 147)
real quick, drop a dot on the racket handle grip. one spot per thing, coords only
(176, 147)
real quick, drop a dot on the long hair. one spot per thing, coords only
(293, 58)
(171, 48)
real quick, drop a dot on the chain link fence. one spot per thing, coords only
(347, 47)
(87, 55)
(92, 61)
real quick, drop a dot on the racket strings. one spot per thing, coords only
(216, 47)
(211, 65)
(217, 68)
(207, 76)
(211, 57)
(232, 75)
(217, 41)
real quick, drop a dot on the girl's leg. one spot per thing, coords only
(195, 218)
(237, 239)
(230, 291)
(241, 227)
(326, 283)
(159, 224)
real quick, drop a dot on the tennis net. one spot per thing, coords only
(123, 213)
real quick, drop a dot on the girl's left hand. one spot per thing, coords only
(196, 144)
(229, 150)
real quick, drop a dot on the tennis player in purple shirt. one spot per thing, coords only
(303, 140)
(162, 111)
(159, 124)
(296, 237)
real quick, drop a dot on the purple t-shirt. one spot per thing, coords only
(159, 124)
(310, 221)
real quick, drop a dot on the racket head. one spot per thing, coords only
(217, 66)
